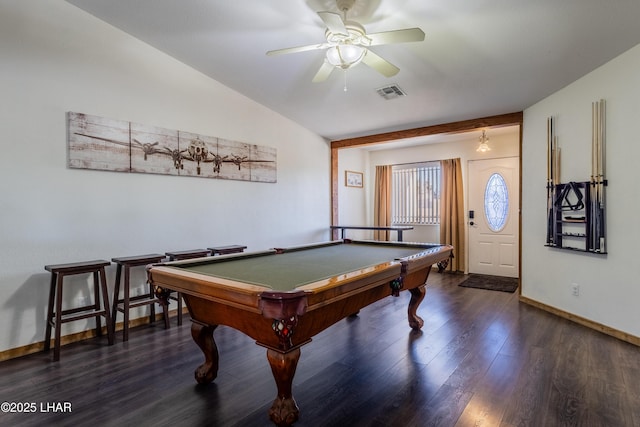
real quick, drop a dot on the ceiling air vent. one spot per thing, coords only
(390, 92)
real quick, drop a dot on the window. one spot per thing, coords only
(496, 202)
(415, 194)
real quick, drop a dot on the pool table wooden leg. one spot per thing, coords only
(417, 295)
(284, 411)
(203, 336)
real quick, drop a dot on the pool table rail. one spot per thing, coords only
(165, 278)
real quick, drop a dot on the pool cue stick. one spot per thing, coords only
(550, 186)
(592, 186)
(556, 149)
(597, 179)
(601, 171)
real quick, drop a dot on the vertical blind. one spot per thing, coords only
(415, 195)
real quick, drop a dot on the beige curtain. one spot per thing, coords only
(382, 201)
(452, 212)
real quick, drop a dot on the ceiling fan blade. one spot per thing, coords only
(298, 49)
(379, 64)
(334, 23)
(323, 73)
(397, 36)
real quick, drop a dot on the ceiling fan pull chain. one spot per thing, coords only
(345, 80)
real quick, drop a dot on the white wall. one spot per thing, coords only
(464, 147)
(353, 201)
(609, 284)
(56, 58)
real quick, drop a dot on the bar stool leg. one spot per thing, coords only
(152, 307)
(127, 301)
(165, 313)
(96, 302)
(58, 318)
(163, 298)
(105, 302)
(116, 297)
(179, 296)
(49, 325)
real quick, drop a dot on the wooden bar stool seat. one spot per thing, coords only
(56, 315)
(229, 249)
(190, 254)
(128, 302)
(179, 256)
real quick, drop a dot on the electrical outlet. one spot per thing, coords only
(575, 289)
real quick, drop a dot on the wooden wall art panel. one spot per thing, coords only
(115, 145)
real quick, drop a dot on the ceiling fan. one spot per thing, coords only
(348, 44)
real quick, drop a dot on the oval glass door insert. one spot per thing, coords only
(496, 202)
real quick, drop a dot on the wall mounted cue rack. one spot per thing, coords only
(576, 210)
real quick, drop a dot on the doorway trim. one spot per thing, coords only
(509, 119)
(480, 216)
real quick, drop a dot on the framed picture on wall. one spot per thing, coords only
(353, 179)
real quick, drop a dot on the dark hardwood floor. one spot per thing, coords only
(482, 359)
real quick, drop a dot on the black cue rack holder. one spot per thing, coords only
(576, 221)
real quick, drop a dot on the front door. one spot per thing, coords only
(494, 230)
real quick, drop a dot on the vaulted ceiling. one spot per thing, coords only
(479, 57)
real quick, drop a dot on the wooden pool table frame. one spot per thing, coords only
(284, 321)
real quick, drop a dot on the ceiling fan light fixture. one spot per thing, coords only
(345, 55)
(347, 43)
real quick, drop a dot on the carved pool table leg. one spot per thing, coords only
(203, 336)
(284, 410)
(417, 295)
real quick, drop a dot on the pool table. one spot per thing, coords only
(283, 297)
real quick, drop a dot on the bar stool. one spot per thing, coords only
(56, 316)
(179, 256)
(127, 302)
(229, 249)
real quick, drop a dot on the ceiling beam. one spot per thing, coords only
(455, 127)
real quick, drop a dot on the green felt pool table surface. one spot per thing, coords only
(294, 268)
